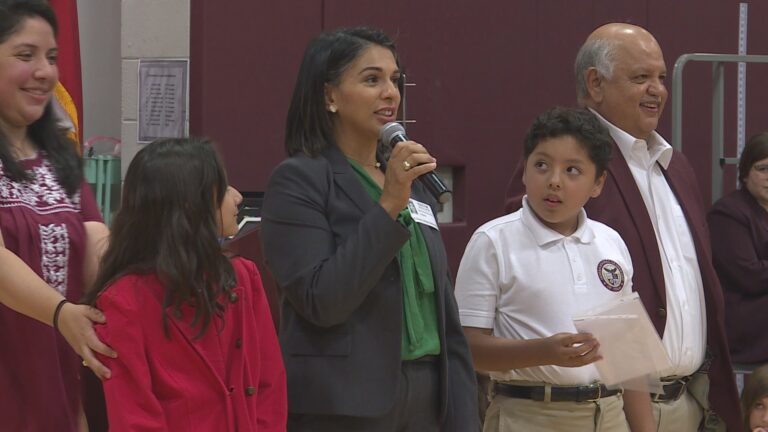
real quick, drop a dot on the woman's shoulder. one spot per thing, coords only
(737, 202)
(299, 174)
(302, 163)
(300, 169)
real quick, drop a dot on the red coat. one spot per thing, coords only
(230, 379)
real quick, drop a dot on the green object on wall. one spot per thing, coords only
(103, 174)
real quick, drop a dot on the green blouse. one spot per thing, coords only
(420, 335)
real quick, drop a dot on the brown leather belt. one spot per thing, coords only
(588, 393)
(672, 391)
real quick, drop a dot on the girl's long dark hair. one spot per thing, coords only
(59, 150)
(167, 225)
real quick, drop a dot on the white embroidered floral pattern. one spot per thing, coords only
(43, 194)
(54, 244)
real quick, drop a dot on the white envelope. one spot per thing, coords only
(633, 355)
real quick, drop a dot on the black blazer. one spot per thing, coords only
(332, 251)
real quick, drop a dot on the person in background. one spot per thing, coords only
(651, 198)
(198, 347)
(51, 236)
(369, 328)
(738, 226)
(754, 400)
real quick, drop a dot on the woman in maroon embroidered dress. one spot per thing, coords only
(50, 233)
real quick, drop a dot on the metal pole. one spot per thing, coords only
(718, 96)
(677, 101)
(717, 107)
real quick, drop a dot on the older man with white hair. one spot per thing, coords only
(652, 199)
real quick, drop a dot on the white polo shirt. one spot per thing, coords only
(526, 281)
(685, 335)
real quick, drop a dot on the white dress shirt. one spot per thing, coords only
(685, 335)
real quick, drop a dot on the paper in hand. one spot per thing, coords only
(632, 352)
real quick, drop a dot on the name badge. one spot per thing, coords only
(422, 213)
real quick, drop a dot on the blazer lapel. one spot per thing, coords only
(640, 217)
(347, 180)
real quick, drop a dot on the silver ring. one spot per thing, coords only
(406, 165)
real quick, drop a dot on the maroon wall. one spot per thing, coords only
(483, 71)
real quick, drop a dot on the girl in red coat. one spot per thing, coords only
(198, 349)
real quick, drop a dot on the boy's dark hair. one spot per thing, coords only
(167, 225)
(308, 128)
(578, 123)
(59, 150)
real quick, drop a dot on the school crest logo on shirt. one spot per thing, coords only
(611, 275)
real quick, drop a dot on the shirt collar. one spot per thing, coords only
(657, 147)
(543, 234)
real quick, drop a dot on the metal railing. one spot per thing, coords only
(718, 91)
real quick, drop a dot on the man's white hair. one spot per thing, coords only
(598, 54)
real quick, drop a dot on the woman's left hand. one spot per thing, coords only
(76, 325)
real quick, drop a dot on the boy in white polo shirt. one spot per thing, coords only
(524, 276)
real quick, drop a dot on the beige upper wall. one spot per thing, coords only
(114, 35)
(99, 23)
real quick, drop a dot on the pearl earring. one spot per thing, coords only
(332, 108)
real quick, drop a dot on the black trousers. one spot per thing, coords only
(416, 408)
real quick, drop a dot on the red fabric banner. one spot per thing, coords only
(69, 54)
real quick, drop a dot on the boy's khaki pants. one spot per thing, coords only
(507, 414)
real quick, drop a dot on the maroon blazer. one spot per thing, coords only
(739, 229)
(621, 207)
(229, 379)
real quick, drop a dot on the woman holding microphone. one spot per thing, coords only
(369, 327)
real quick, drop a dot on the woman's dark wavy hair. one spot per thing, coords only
(578, 123)
(754, 151)
(309, 128)
(167, 225)
(59, 150)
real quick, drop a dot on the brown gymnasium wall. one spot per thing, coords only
(483, 71)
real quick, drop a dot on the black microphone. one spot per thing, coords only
(393, 133)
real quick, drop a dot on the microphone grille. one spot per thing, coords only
(389, 131)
